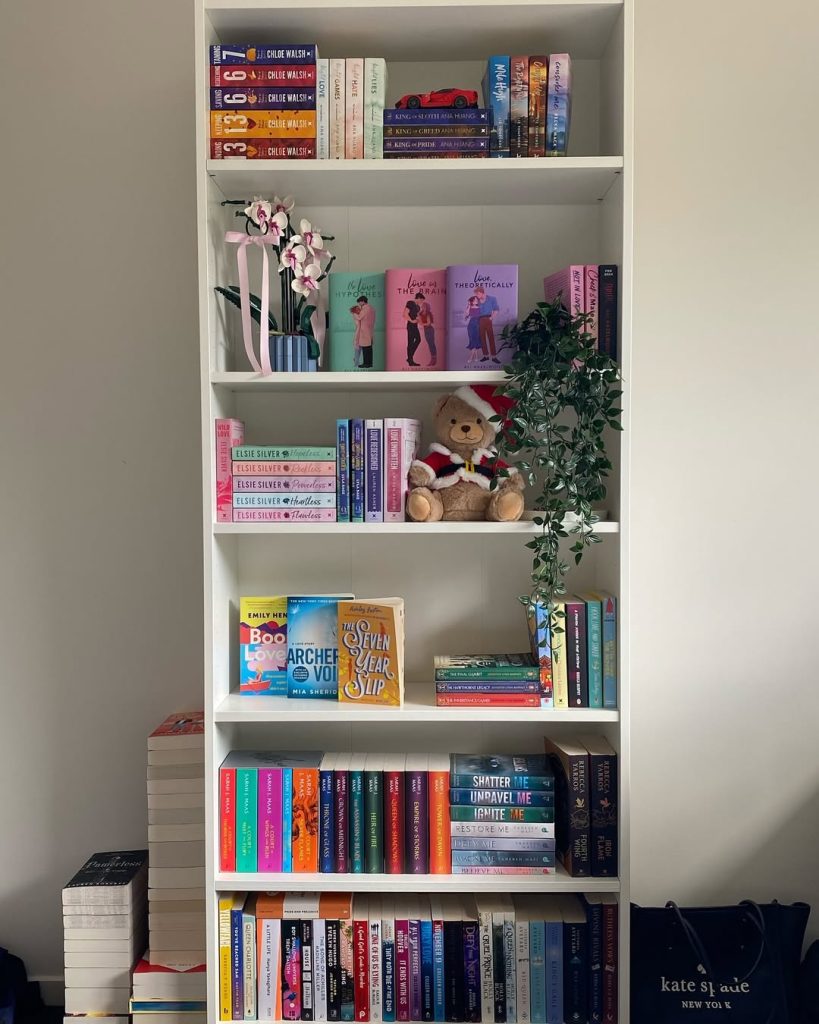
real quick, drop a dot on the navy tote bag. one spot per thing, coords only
(716, 965)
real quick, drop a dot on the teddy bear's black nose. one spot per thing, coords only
(466, 428)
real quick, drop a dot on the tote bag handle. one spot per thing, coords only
(698, 947)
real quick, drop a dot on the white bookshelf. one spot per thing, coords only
(460, 581)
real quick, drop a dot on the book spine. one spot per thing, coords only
(233, 98)
(502, 830)
(603, 805)
(262, 149)
(522, 972)
(354, 101)
(575, 973)
(264, 124)
(343, 471)
(333, 970)
(467, 869)
(307, 1009)
(388, 969)
(509, 966)
(236, 976)
(337, 108)
(594, 651)
(436, 145)
(503, 858)
(538, 89)
(558, 104)
(227, 819)
(246, 803)
(485, 952)
(374, 820)
(486, 686)
(519, 106)
(415, 978)
(503, 780)
(537, 971)
(453, 971)
(326, 823)
(560, 667)
(438, 981)
(417, 827)
(573, 827)
(375, 977)
(270, 820)
(360, 959)
(357, 470)
(305, 806)
(323, 109)
(496, 98)
(347, 959)
(489, 674)
(394, 481)
(297, 468)
(437, 131)
(592, 301)
(427, 972)
(342, 779)
(394, 823)
(594, 922)
(267, 967)
(402, 971)
(375, 89)
(445, 155)
(356, 821)
(608, 329)
(238, 54)
(472, 976)
(319, 970)
(502, 797)
(488, 843)
(609, 613)
(225, 961)
(440, 860)
(229, 433)
(297, 484)
(288, 501)
(437, 117)
(498, 971)
(282, 75)
(483, 699)
(294, 456)
(609, 963)
(528, 815)
(291, 970)
(577, 661)
(554, 972)
(287, 819)
(280, 515)
(373, 476)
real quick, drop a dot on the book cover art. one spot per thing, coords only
(559, 104)
(244, 98)
(603, 805)
(312, 647)
(496, 98)
(371, 652)
(263, 645)
(263, 124)
(374, 471)
(538, 93)
(357, 322)
(573, 825)
(482, 299)
(354, 113)
(235, 53)
(375, 89)
(229, 433)
(402, 439)
(181, 723)
(519, 106)
(567, 285)
(415, 318)
(322, 108)
(260, 75)
(118, 868)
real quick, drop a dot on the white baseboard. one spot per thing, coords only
(52, 988)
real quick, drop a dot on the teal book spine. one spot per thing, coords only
(312, 648)
(356, 821)
(269, 453)
(537, 971)
(357, 338)
(506, 814)
(609, 612)
(594, 647)
(246, 814)
(287, 819)
(554, 972)
(374, 815)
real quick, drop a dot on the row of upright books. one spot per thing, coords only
(589, 289)
(493, 958)
(529, 102)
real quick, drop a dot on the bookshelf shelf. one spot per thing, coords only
(375, 381)
(382, 529)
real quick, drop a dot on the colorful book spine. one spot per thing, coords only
(343, 471)
(374, 815)
(271, 76)
(374, 943)
(291, 970)
(225, 959)
(357, 471)
(246, 804)
(337, 108)
(312, 651)
(577, 654)
(502, 830)
(333, 970)
(296, 454)
(233, 53)
(415, 964)
(287, 468)
(497, 101)
(560, 667)
(440, 858)
(243, 98)
(594, 648)
(438, 980)
(427, 971)
(319, 970)
(394, 820)
(481, 700)
(518, 106)
(490, 686)
(342, 779)
(268, 934)
(287, 819)
(525, 815)
(608, 606)
(388, 960)
(361, 962)
(263, 124)
(538, 94)
(402, 965)
(270, 819)
(354, 109)
(592, 301)
(375, 91)
(472, 843)
(519, 772)
(327, 815)
(537, 972)
(502, 797)
(305, 820)
(227, 819)
(559, 104)
(281, 515)
(262, 149)
(323, 109)
(229, 434)
(374, 471)
(594, 919)
(263, 645)
(285, 484)
(569, 286)
(417, 810)
(509, 964)
(347, 952)
(446, 131)
(487, 670)
(245, 500)
(503, 858)
(425, 117)
(307, 1008)
(425, 144)
(236, 971)
(402, 438)
(608, 329)
(356, 816)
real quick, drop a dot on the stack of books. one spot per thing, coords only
(374, 459)
(104, 922)
(417, 957)
(351, 96)
(263, 102)
(422, 132)
(272, 484)
(169, 995)
(491, 680)
(503, 814)
(589, 288)
(176, 844)
(529, 100)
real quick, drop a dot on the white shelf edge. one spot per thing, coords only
(522, 527)
(377, 380)
(312, 5)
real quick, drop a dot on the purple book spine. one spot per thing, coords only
(433, 144)
(374, 471)
(342, 852)
(415, 969)
(472, 980)
(262, 99)
(417, 825)
(270, 819)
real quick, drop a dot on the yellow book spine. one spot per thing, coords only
(263, 124)
(225, 991)
(560, 673)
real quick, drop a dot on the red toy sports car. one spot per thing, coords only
(439, 98)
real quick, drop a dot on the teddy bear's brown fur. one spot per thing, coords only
(468, 435)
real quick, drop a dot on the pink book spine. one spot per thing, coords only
(270, 819)
(284, 483)
(229, 433)
(393, 491)
(284, 515)
(354, 121)
(337, 99)
(570, 283)
(592, 300)
(287, 469)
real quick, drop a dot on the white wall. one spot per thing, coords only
(100, 589)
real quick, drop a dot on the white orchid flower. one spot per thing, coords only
(283, 205)
(259, 211)
(292, 257)
(277, 225)
(309, 236)
(306, 279)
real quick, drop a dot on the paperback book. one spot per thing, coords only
(263, 645)
(312, 646)
(357, 322)
(416, 319)
(482, 299)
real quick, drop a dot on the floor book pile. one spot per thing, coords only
(533, 959)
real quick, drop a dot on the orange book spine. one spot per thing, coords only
(440, 854)
(305, 819)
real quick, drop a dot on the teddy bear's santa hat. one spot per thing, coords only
(483, 399)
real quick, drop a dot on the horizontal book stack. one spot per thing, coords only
(373, 463)
(263, 102)
(503, 814)
(420, 132)
(104, 928)
(529, 99)
(169, 995)
(417, 957)
(576, 648)
(492, 680)
(589, 289)
(176, 848)
(351, 95)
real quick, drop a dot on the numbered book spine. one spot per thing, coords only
(262, 149)
(357, 470)
(577, 659)
(608, 327)
(337, 108)
(227, 819)
(233, 53)
(497, 101)
(235, 76)
(354, 101)
(375, 89)
(374, 471)
(519, 108)
(343, 471)
(264, 124)
(262, 99)
(229, 434)
(323, 109)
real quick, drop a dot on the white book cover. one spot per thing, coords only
(132, 946)
(319, 970)
(191, 755)
(169, 786)
(175, 922)
(100, 958)
(337, 100)
(268, 967)
(175, 800)
(322, 109)
(176, 878)
(190, 938)
(172, 894)
(120, 1018)
(501, 829)
(374, 945)
(98, 977)
(175, 771)
(177, 958)
(176, 855)
(176, 833)
(97, 1000)
(177, 815)
(354, 102)
(249, 964)
(375, 93)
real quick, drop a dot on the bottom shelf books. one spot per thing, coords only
(382, 957)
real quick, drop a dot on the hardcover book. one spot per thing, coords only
(608, 327)
(357, 322)
(538, 93)
(501, 771)
(603, 805)
(354, 101)
(312, 648)
(573, 832)
(482, 299)
(375, 89)
(496, 97)
(519, 106)
(116, 870)
(569, 287)
(371, 651)
(415, 318)
(263, 124)
(260, 75)
(263, 645)
(559, 104)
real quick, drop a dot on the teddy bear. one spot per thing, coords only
(453, 481)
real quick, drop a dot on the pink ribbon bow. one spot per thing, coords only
(243, 240)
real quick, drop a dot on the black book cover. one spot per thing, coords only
(607, 309)
(306, 970)
(575, 965)
(594, 917)
(453, 971)
(577, 656)
(603, 805)
(291, 938)
(472, 976)
(107, 869)
(499, 973)
(572, 819)
(333, 934)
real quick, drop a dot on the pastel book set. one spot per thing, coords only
(533, 959)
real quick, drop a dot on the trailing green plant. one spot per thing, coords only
(566, 393)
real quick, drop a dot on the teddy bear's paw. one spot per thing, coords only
(506, 507)
(424, 506)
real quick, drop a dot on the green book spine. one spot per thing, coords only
(524, 814)
(357, 826)
(510, 672)
(594, 646)
(246, 804)
(374, 815)
(298, 453)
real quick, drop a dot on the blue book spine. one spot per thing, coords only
(326, 823)
(594, 645)
(423, 117)
(343, 471)
(575, 972)
(438, 992)
(287, 819)
(427, 973)
(278, 355)
(497, 100)
(554, 972)
(356, 784)
(304, 353)
(374, 471)
(609, 612)
(236, 972)
(357, 471)
(237, 53)
(472, 972)
(537, 971)
(594, 917)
